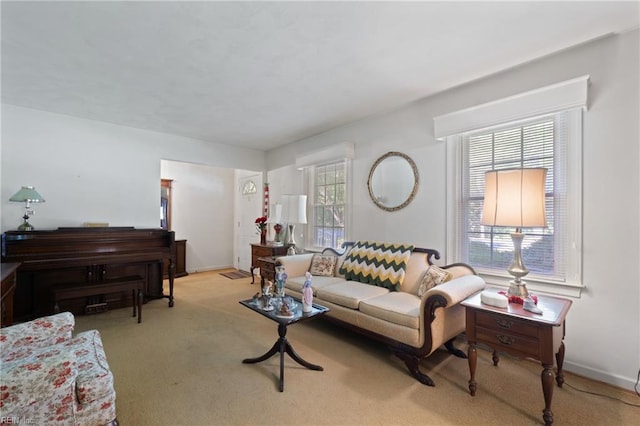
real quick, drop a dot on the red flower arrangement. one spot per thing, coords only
(261, 224)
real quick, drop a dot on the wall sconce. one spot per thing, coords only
(27, 195)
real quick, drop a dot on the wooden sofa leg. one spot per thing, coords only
(413, 364)
(453, 350)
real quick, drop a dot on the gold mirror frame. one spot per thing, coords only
(376, 197)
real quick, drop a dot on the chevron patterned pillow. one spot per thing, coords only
(381, 264)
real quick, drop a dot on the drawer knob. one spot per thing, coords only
(506, 340)
(504, 323)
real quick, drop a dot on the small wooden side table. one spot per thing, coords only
(259, 250)
(267, 267)
(522, 334)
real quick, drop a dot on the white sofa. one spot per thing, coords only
(412, 326)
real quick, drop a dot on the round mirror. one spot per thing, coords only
(393, 181)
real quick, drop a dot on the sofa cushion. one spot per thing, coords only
(396, 307)
(323, 265)
(350, 293)
(432, 277)
(95, 380)
(296, 283)
(47, 372)
(380, 264)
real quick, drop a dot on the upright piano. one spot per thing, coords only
(82, 256)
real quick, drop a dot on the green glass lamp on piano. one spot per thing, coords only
(27, 195)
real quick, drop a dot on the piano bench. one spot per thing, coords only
(70, 291)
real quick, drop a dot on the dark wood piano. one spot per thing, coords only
(82, 256)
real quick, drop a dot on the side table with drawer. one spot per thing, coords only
(267, 267)
(522, 334)
(259, 250)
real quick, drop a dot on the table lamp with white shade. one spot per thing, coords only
(275, 218)
(294, 212)
(515, 198)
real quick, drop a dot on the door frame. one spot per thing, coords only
(245, 212)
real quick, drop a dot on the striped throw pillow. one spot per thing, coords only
(377, 263)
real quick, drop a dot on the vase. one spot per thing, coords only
(277, 228)
(263, 237)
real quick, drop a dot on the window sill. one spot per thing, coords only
(534, 284)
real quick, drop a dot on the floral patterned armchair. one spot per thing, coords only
(47, 376)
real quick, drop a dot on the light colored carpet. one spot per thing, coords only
(183, 366)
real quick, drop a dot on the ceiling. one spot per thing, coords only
(264, 74)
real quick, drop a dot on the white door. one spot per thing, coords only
(250, 208)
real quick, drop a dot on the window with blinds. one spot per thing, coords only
(329, 200)
(540, 142)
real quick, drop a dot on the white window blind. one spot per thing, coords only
(539, 142)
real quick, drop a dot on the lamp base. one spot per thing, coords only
(26, 226)
(518, 289)
(291, 236)
(517, 269)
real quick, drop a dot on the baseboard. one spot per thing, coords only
(601, 376)
(210, 268)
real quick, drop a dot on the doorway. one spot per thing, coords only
(203, 202)
(250, 205)
(165, 203)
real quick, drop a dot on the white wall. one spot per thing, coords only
(287, 180)
(407, 131)
(603, 325)
(202, 200)
(90, 171)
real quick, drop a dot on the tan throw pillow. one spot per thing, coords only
(323, 265)
(432, 278)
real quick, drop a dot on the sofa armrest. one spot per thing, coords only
(456, 290)
(39, 333)
(47, 373)
(459, 269)
(296, 265)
